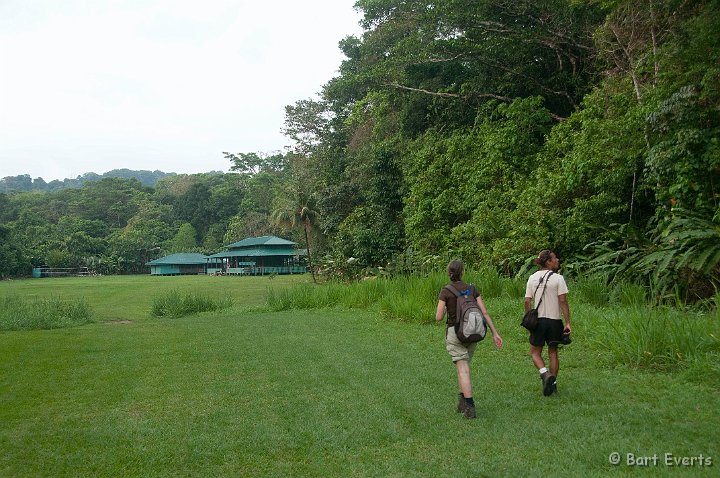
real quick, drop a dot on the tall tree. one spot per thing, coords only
(185, 239)
(296, 211)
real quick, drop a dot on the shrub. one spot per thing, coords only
(173, 304)
(51, 313)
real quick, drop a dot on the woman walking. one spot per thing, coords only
(461, 353)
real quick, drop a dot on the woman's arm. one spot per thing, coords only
(496, 336)
(440, 312)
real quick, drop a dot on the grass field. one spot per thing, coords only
(246, 392)
(123, 298)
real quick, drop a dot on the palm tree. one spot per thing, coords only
(293, 214)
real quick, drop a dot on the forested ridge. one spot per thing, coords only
(25, 183)
(485, 130)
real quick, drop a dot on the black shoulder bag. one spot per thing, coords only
(530, 319)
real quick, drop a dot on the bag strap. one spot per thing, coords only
(544, 279)
(458, 294)
(452, 289)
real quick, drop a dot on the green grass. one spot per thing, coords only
(21, 313)
(120, 298)
(175, 304)
(326, 392)
(618, 319)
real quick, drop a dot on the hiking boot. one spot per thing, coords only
(548, 382)
(544, 378)
(461, 404)
(469, 412)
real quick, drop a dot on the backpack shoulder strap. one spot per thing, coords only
(452, 289)
(458, 306)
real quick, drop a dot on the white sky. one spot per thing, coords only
(96, 85)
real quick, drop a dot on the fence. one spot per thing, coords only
(44, 271)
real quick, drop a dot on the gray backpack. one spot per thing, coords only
(470, 325)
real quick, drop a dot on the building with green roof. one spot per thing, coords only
(260, 256)
(182, 263)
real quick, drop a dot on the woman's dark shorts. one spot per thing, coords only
(547, 330)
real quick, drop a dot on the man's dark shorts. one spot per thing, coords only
(547, 331)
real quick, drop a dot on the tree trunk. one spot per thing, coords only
(654, 44)
(307, 245)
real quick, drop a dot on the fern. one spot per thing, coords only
(681, 255)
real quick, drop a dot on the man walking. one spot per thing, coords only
(549, 290)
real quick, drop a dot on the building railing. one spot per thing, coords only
(264, 270)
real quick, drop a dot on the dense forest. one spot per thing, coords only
(480, 129)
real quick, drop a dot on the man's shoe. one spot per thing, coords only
(469, 412)
(548, 382)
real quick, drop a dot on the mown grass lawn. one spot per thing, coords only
(244, 392)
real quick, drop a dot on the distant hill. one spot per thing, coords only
(24, 182)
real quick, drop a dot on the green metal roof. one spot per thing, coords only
(261, 241)
(285, 251)
(181, 258)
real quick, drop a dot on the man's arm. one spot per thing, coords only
(565, 309)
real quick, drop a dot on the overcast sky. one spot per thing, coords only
(91, 86)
